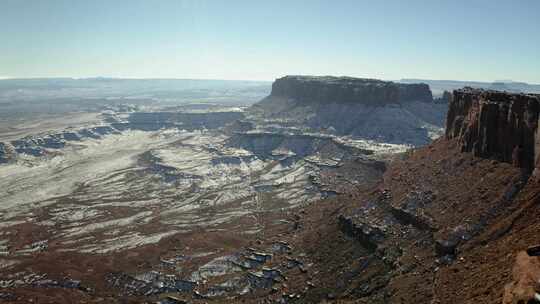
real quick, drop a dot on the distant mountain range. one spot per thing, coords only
(439, 86)
(171, 91)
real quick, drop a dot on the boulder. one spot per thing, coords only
(525, 284)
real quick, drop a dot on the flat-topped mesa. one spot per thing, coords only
(494, 124)
(327, 89)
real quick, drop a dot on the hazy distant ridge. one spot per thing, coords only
(438, 86)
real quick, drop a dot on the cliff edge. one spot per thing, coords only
(323, 89)
(371, 109)
(493, 124)
(450, 221)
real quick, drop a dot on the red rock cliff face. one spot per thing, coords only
(497, 125)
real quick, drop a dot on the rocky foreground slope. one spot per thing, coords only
(366, 108)
(448, 219)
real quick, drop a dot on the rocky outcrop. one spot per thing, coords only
(238, 126)
(497, 125)
(368, 234)
(313, 89)
(152, 121)
(411, 210)
(41, 145)
(371, 109)
(273, 144)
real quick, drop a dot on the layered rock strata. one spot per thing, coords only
(313, 89)
(498, 125)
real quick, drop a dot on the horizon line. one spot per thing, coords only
(250, 80)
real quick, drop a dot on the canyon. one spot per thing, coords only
(134, 177)
(330, 189)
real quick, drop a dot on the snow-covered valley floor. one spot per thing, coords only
(134, 188)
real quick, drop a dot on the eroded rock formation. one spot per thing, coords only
(266, 144)
(496, 125)
(377, 110)
(150, 121)
(349, 90)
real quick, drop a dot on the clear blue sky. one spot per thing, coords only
(228, 39)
